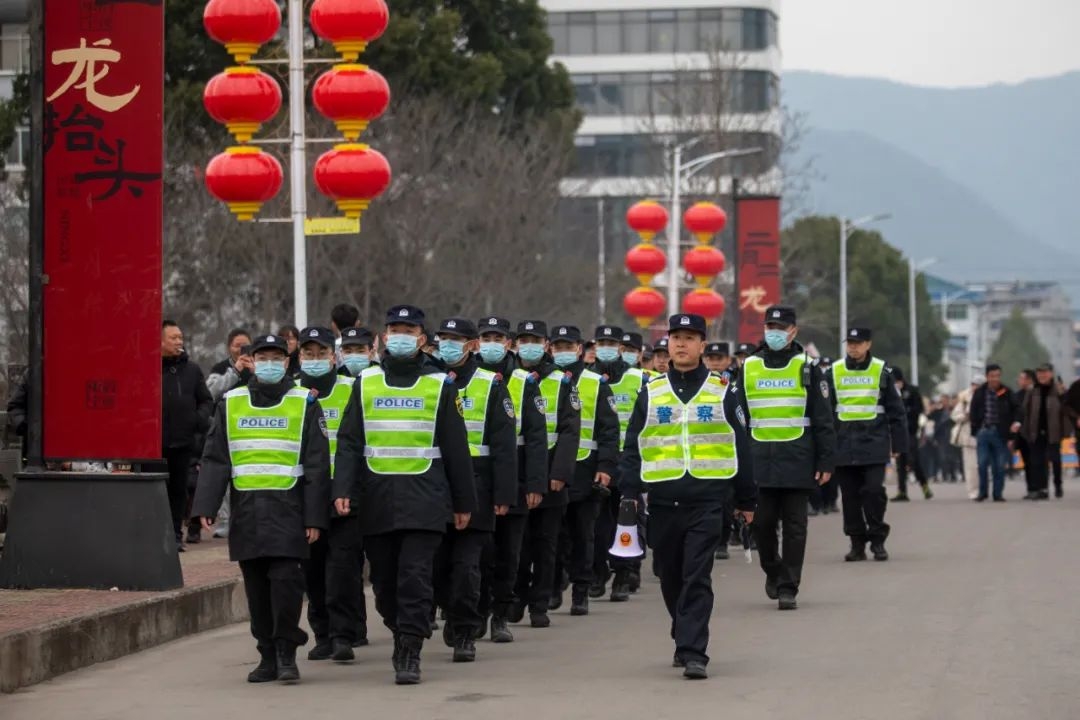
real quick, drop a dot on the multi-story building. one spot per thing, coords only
(14, 61)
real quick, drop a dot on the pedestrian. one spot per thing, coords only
(491, 423)
(235, 370)
(910, 461)
(292, 340)
(871, 428)
(964, 439)
(687, 447)
(661, 357)
(1045, 420)
(994, 421)
(185, 414)
(403, 461)
(943, 428)
(792, 443)
(268, 447)
(718, 357)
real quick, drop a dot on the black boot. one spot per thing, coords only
(322, 650)
(556, 600)
(343, 652)
(361, 636)
(287, 672)
(409, 666)
(579, 601)
(500, 633)
(877, 547)
(516, 612)
(858, 551)
(398, 658)
(598, 588)
(266, 670)
(620, 588)
(633, 580)
(464, 647)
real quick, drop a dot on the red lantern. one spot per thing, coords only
(645, 261)
(242, 99)
(352, 175)
(644, 304)
(242, 25)
(244, 178)
(704, 262)
(704, 219)
(647, 218)
(349, 24)
(706, 303)
(351, 96)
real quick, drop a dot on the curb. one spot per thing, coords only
(31, 656)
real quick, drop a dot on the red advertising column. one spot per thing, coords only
(102, 136)
(759, 262)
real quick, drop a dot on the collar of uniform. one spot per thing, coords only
(697, 375)
(852, 365)
(780, 358)
(266, 395)
(408, 367)
(323, 385)
(614, 370)
(464, 372)
(576, 369)
(504, 367)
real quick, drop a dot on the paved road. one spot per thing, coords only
(975, 617)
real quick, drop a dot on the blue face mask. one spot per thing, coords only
(531, 352)
(776, 339)
(630, 358)
(607, 354)
(315, 368)
(401, 345)
(451, 351)
(357, 363)
(492, 352)
(269, 371)
(566, 358)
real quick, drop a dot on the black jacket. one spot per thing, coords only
(689, 490)
(267, 523)
(17, 407)
(406, 502)
(913, 405)
(606, 431)
(871, 442)
(793, 464)
(562, 459)
(1008, 411)
(185, 403)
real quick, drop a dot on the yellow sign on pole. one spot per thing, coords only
(331, 226)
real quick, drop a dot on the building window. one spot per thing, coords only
(635, 31)
(642, 155)
(582, 36)
(19, 152)
(558, 30)
(608, 33)
(737, 91)
(662, 31)
(956, 312)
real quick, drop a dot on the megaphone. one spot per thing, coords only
(627, 542)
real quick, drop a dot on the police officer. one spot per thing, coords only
(490, 420)
(910, 461)
(870, 425)
(562, 411)
(743, 351)
(268, 447)
(403, 459)
(718, 357)
(661, 357)
(686, 446)
(499, 566)
(357, 351)
(793, 443)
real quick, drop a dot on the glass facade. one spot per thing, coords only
(598, 156)
(662, 31)
(683, 93)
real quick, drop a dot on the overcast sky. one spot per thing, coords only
(933, 42)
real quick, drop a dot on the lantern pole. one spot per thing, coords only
(601, 261)
(298, 158)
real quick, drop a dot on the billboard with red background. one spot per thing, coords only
(758, 238)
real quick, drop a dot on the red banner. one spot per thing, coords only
(759, 262)
(102, 134)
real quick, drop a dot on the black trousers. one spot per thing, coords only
(457, 578)
(176, 486)
(863, 490)
(1024, 449)
(913, 459)
(536, 572)
(684, 540)
(335, 582)
(402, 568)
(782, 508)
(825, 496)
(275, 595)
(580, 536)
(499, 566)
(1040, 455)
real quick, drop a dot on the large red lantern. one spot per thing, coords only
(644, 304)
(704, 302)
(242, 99)
(647, 218)
(704, 219)
(352, 175)
(244, 178)
(349, 24)
(645, 261)
(704, 262)
(351, 96)
(242, 25)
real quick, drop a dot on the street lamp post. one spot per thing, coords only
(846, 227)
(913, 270)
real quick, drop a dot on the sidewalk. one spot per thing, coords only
(44, 633)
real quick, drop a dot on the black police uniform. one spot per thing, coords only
(403, 517)
(913, 404)
(724, 349)
(862, 451)
(685, 514)
(267, 527)
(457, 565)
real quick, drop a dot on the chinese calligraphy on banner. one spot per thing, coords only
(759, 262)
(102, 137)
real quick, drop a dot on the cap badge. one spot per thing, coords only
(528, 326)
(684, 320)
(493, 321)
(404, 312)
(313, 333)
(451, 324)
(271, 338)
(626, 338)
(562, 331)
(776, 313)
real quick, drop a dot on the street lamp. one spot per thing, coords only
(846, 227)
(684, 171)
(913, 269)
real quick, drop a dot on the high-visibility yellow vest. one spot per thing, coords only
(858, 391)
(588, 389)
(515, 386)
(333, 407)
(264, 443)
(693, 438)
(626, 393)
(549, 391)
(776, 399)
(399, 423)
(474, 402)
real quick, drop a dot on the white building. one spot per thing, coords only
(14, 60)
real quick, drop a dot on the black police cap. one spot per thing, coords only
(859, 334)
(780, 314)
(608, 332)
(745, 349)
(565, 332)
(458, 326)
(406, 315)
(718, 348)
(686, 321)
(357, 336)
(319, 335)
(634, 340)
(661, 344)
(269, 342)
(494, 324)
(533, 328)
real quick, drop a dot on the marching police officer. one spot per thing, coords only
(687, 447)
(499, 567)
(661, 357)
(403, 460)
(561, 405)
(718, 357)
(268, 447)
(793, 443)
(357, 351)
(490, 420)
(870, 426)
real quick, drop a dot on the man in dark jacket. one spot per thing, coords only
(910, 461)
(687, 447)
(793, 443)
(185, 413)
(1045, 421)
(403, 460)
(268, 447)
(871, 427)
(993, 421)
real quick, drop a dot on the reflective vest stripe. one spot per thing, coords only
(775, 403)
(857, 391)
(588, 445)
(846, 394)
(283, 445)
(776, 398)
(402, 452)
(860, 409)
(802, 422)
(701, 439)
(292, 471)
(399, 423)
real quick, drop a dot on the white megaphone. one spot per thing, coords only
(627, 542)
